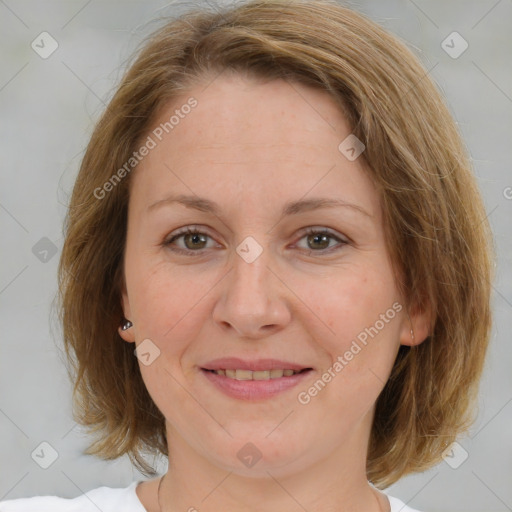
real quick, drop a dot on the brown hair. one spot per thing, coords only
(437, 234)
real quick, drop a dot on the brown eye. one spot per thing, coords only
(194, 240)
(319, 241)
(189, 241)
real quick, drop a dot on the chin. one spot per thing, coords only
(257, 454)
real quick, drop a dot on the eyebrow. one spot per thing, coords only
(291, 208)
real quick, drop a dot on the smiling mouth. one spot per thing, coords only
(256, 375)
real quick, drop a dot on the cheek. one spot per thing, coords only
(349, 301)
(361, 308)
(171, 309)
(167, 303)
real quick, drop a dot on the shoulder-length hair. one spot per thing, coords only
(435, 223)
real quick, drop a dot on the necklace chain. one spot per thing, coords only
(158, 493)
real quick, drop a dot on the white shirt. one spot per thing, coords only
(108, 499)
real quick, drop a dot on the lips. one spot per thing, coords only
(254, 379)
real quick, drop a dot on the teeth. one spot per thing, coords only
(256, 375)
(243, 375)
(261, 375)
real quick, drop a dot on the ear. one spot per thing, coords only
(415, 326)
(128, 335)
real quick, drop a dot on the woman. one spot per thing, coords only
(276, 214)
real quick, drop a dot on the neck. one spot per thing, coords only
(336, 483)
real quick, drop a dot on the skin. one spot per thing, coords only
(251, 147)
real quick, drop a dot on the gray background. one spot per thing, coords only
(47, 110)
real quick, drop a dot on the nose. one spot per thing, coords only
(252, 300)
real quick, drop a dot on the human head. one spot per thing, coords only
(432, 216)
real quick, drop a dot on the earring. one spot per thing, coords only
(412, 335)
(126, 325)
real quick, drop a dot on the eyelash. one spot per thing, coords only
(308, 231)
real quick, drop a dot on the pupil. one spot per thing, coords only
(323, 239)
(194, 238)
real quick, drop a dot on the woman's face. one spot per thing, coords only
(288, 271)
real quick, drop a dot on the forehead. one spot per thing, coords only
(252, 140)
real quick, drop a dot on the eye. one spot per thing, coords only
(319, 240)
(192, 240)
